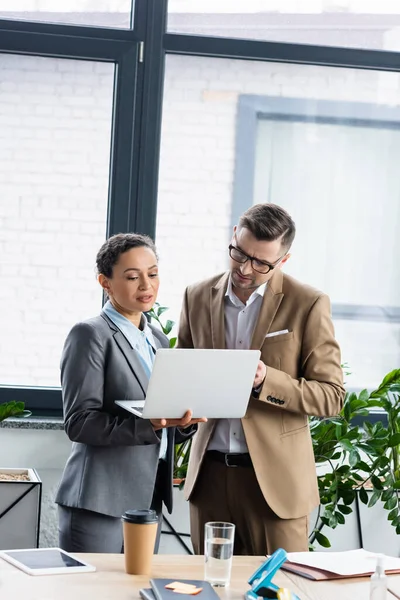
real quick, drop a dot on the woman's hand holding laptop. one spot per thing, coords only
(185, 421)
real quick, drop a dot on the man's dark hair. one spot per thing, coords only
(108, 255)
(269, 222)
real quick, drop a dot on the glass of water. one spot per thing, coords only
(218, 551)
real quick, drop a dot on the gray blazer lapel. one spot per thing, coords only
(130, 355)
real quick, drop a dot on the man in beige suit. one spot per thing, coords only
(259, 472)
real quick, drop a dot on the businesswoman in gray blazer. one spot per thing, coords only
(117, 461)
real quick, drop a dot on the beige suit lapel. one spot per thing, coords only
(217, 311)
(272, 298)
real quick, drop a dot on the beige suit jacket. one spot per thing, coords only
(304, 377)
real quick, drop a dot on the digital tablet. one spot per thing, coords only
(46, 561)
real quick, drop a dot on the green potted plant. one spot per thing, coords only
(359, 457)
(20, 496)
(11, 409)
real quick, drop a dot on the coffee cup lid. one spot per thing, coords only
(140, 516)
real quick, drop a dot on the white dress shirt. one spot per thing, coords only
(240, 322)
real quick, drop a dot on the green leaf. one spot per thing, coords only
(340, 518)
(391, 503)
(384, 461)
(336, 456)
(161, 310)
(394, 440)
(388, 381)
(363, 496)
(396, 485)
(343, 470)
(346, 510)
(347, 407)
(172, 342)
(387, 494)
(354, 457)
(338, 430)
(346, 444)
(381, 434)
(374, 498)
(348, 496)
(393, 514)
(376, 482)
(333, 522)
(322, 540)
(368, 427)
(168, 327)
(356, 404)
(362, 466)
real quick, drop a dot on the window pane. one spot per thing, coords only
(348, 23)
(322, 142)
(99, 13)
(55, 133)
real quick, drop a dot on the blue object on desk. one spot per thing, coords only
(261, 580)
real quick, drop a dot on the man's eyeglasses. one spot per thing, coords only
(257, 265)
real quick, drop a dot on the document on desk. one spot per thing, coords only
(337, 565)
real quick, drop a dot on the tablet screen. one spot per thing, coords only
(44, 559)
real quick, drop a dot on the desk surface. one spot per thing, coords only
(110, 581)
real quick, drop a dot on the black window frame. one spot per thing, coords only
(137, 111)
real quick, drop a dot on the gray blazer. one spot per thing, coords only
(114, 459)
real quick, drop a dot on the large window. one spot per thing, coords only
(322, 142)
(92, 95)
(346, 23)
(54, 174)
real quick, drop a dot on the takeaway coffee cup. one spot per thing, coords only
(140, 532)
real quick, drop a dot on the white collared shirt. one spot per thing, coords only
(240, 322)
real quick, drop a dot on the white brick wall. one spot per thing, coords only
(55, 122)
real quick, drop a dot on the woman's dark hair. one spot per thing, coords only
(269, 222)
(108, 255)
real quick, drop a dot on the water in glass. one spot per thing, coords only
(218, 560)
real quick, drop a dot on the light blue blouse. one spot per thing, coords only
(142, 340)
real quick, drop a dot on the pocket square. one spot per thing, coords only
(274, 333)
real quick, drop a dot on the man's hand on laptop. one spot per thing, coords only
(185, 421)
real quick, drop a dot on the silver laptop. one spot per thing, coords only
(212, 383)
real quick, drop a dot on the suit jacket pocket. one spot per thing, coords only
(293, 423)
(281, 352)
(295, 431)
(283, 337)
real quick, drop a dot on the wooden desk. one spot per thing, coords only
(110, 582)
